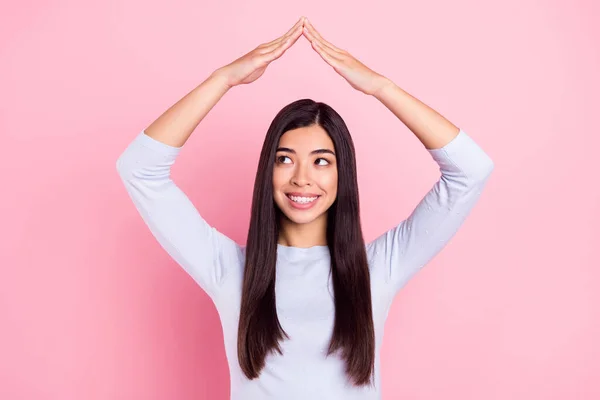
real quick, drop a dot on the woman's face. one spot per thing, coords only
(305, 167)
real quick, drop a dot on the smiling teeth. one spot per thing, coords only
(303, 200)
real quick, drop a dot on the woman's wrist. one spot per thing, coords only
(220, 77)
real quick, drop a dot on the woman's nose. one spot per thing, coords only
(301, 175)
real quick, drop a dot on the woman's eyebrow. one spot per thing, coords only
(318, 151)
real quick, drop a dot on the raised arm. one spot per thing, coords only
(145, 169)
(465, 169)
(400, 252)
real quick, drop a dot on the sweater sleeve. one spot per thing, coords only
(203, 252)
(403, 250)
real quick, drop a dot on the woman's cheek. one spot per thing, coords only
(330, 181)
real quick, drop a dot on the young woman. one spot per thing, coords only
(304, 302)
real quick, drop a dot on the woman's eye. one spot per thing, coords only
(281, 160)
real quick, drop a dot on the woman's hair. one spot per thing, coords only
(259, 328)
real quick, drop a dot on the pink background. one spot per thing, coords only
(92, 308)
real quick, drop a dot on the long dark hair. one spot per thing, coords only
(259, 328)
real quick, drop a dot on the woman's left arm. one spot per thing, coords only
(430, 127)
(465, 168)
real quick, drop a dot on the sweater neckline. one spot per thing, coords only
(292, 252)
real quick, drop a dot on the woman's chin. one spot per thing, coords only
(303, 217)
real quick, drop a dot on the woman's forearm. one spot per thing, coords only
(175, 125)
(430, 127)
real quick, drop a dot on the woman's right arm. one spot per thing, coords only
(145, 169)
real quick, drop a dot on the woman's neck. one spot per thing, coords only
(306, 235)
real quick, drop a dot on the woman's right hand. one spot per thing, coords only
(251, 66)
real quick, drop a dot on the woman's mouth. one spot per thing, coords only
(302, 202)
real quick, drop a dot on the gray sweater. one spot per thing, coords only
(303, 289)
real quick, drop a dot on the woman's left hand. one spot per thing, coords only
(358, 75)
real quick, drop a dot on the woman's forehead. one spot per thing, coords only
(306, 139)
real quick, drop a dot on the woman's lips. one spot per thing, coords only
(302, 206)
